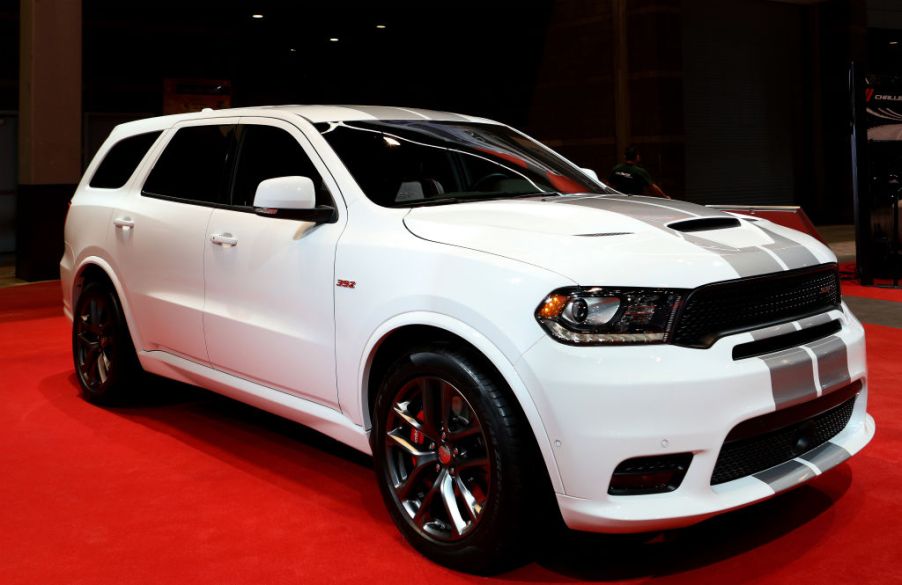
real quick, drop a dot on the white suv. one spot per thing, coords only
(505, 334)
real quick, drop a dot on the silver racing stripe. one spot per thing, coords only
(437, 115)
(748, 261)
(791, 376)
(692, 209)
(814, 320)
(792, 253)
(792, 370)
(387, 112)
(654, 215)
(826, 456)
(832, 362)
(396, 113)
(785, 476)
(773, 331)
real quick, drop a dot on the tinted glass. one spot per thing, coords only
(193, 165)
(266, 153)
(120, 161)
(403, 163)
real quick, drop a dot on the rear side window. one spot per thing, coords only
(120, 161)
(267, 152)
(193, 166)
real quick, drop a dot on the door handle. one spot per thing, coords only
(225, 240)
(124, 223)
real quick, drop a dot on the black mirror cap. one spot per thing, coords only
(318, 214)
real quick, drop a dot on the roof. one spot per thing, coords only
(313, 113)
(343, 113)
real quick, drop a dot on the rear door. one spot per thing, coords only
(268, 313)
(158, 236)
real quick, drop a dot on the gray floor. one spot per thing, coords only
(876, 312)
(841, 239)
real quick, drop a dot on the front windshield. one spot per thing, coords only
(410, 163)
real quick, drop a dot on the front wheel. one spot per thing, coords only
(453, 459)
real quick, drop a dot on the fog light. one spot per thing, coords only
(649, 475)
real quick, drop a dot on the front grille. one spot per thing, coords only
(742, 457)
(724, 308)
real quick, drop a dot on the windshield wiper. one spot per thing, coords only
(471, 198)
(430, 202)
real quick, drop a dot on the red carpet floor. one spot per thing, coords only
(193, 488)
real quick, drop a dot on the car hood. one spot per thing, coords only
(619, 240)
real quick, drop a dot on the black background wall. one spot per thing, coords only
(730, 102)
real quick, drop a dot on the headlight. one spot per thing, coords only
(602, 316)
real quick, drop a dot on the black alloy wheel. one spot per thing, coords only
(436, 458)
(456, 463)
(105, 360)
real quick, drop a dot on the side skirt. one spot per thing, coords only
(310, 414)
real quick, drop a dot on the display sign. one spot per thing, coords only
(877, 173)
(883, 104)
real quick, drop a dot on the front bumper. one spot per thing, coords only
(603, 405)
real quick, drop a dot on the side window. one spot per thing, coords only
(267, 152)
(120, 161)
(193, 166)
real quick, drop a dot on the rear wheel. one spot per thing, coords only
(105, 361)
(453, 459)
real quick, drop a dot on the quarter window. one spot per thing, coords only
(193, 166)
(120, 161)
(267, 152)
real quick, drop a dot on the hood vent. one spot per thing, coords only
(704, 224)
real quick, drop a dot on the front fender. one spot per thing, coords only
(489, 349)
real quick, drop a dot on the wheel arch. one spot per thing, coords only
(392, 339)
(94, 268)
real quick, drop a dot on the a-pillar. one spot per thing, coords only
(49, 131)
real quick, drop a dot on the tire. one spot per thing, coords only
(455, 461)
(106, 364)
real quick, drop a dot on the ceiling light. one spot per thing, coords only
(334, 39)
(380, 26)
(257, 16)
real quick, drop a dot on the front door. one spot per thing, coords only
(268, 311)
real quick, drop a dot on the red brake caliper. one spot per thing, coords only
(417, 437)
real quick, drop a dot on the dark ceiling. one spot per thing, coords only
(477, 57)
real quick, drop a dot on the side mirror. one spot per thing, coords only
(291, 198)
(591, 173)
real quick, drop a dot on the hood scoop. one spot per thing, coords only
(703, 224)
